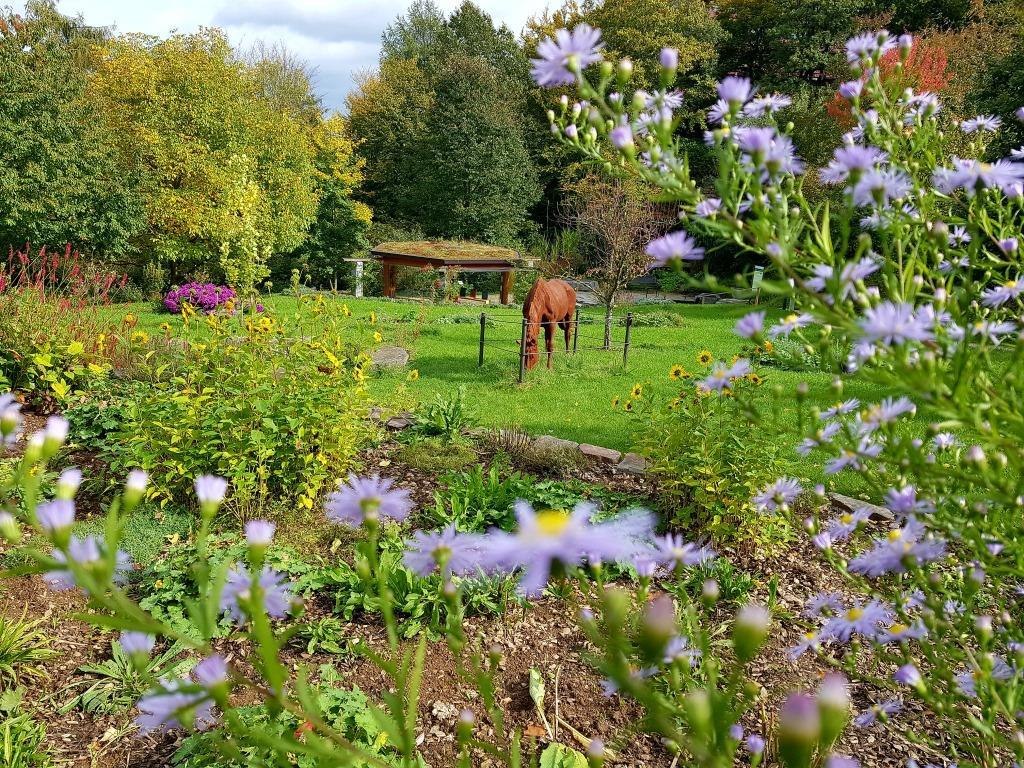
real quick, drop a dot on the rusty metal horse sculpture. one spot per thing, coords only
(549, 303)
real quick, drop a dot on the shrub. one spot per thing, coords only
(202, 297)
(661, 318)
(277, 405)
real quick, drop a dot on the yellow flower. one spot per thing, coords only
(413, 374)
(130, 319)
(678, 372)
(628, 406)
(346, 311)
(753, 378)
(768, 347)
(636, 392)
(377, 337)
(373, 318)
(140, 337)
(704, 357)
(615, 402)
(165, 327)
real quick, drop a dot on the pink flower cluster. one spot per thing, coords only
(203, 297)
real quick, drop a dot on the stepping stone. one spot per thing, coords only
(878, 514)
(552, 443)
(400, 421)
(390, 357)
(632, 464)
(599, 454)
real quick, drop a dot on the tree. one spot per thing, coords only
(60, 180)
(227, 178)
(620, 220)
(341, 223)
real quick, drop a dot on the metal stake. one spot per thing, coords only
(522, 354)
(483, 325)
(625, 344)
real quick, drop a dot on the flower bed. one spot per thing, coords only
(204, 297)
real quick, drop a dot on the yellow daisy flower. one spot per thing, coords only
(636, 392)
(628, 406)
(414, 374)
(753, 378)
(377, 337)
(704, 357)
(615, 402)
(678, 372)
(769, 347)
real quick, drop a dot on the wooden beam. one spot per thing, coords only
(506, 286)
(388, 279)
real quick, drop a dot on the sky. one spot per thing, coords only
(337, 37)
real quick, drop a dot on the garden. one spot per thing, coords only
(235, 532)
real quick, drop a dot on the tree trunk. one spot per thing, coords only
(608, 325)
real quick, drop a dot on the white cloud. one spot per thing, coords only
(337, 37)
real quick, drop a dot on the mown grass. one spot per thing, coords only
(573, 400)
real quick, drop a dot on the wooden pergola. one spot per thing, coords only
(442, 254)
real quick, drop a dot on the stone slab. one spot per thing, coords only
(850, 504)
(552, 443)
(390, 357)
(599, 454)
(632, 464)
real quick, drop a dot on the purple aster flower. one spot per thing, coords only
(945, 440)
(363, 498)
(736, 91)
(10, 419)
(767, 152)
(885, 412)
(851, 89)
(175, 704)
(679, 649)
(921, 106)
(988, 123)
(673, 550)
(892, 323)
(809, 642)
(721, 376)
(736, 732)
(973, 175)
(621, 136)
(840, 409)
(853, 458)
(211, 671)
(848, 163)
(879, 187)
(908, 675)
(87, 553)
(953, 607)
(780, 493)
(821, 437)
(841, 761)
(959, 236)
(750, 325)
(716, 115)
(869, 47)
(210, 489)
(1017, 154)
(790, 323)
(891, 554)
(967, 681)
(754, 744)
(137, 642)
(904, 501)
(860, 619)
(707, 208)
(259, 533)
(846, 524)
(823, 603)
(993, 331)
(674, 247)
(56, 515)
(882, 711)
(1000, 294)
(234, 598)
(766, 105)
(426, 552)
(1008, 246)
(557, 536)
(898, 632)
(565, 54)
(1020, 114)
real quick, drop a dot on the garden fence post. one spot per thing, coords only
(576, 330)
(522, 354)
(483, 325)
(625, 344)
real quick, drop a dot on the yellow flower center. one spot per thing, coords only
(790, 319)
(847, 518)
(896, 629)
(854, 613)
(894, 535)
(552, 522)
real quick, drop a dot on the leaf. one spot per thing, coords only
(561, 756)
(535, 731)
(537, 688)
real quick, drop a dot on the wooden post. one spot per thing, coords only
(388, 278)
(625, 344)
(483, 325)
(576, 330)
(522, 353)
(506, 286)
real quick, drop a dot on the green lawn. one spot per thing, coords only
(574, 399)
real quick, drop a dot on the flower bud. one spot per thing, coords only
(698, 713)
(134, 488)
(55, 434)
(625, 69)
(799, 730)
(658, 627)
(34, 449)
(750, 630)
(669, 60)
(710, 592)
(210, 490)
(833, 708)
(68, 482)
(465, 726)
(9, 529)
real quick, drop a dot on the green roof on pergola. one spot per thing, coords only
(448, 253)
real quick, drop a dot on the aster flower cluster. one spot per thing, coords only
(202, 297)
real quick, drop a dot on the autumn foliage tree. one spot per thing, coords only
(619, 220)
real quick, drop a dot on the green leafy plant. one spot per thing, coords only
(323, 635)
(22, 737)
(115, 684)
(446, 417)
(23, 649)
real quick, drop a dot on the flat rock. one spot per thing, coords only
(552, 443)
(399, 422)
(599, 454)
(850, 504)
(632, 464)
(390, 357)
